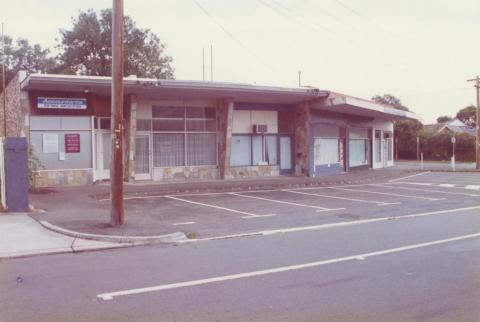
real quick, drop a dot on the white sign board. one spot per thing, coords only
(62, 103)
(50, 143)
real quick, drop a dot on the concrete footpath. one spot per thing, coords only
(21, 235)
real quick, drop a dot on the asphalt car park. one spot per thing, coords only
(224, 213)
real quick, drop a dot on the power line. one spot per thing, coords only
(287, 12)
(232, 36)
(355, 12)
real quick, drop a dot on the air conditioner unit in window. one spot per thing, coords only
(260, 128)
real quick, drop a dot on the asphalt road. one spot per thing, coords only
(421, 267)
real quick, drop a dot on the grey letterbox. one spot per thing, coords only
(16, 174)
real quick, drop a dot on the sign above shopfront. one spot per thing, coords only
(62, 103)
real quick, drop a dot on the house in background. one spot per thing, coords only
(454, 126)
(184, 130)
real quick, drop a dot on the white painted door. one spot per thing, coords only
(103, 146)
(285, 154)
(142, 157)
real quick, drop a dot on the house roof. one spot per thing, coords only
(343, 103)
(167, 88)
(455, 125)
(240, 92)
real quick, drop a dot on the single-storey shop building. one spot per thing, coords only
(178, 129)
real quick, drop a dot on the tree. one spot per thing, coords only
(406, 131)
(443, 119)
(390, 100)
(86, 48)
(20, 55)
(468, 115)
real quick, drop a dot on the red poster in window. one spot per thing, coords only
(72, 143)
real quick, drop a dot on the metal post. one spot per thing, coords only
(203, 64)
(477, 141)
(477, 85)
(421, 160)
(211, 63)
(453, 152)
(418, 148)
(117, 215)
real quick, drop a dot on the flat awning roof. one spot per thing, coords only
(169, 89)
(352, 105)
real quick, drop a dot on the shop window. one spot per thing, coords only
(248, 150)
(201, 125)
(271, 149)
(168, 112)
(200, 112)
(172, 125)
(168, 149)
(359, 147)
(326, 151)
(201, 149)
(389, 142)
(358, 152)
(144, 125)
(182, 136)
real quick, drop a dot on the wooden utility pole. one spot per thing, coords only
(117, 214)
(477, 142)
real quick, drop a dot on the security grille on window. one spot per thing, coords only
(182, 136)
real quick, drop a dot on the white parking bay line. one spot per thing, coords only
(248, 214)
(319, 209)
(472, 187)
(387, 194)
(394, 185)
(411, 176)
(224, 278)
(379, 203)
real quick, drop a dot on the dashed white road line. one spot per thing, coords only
(319, 209)
(379, 203)
(249, 215)
(387, 194)
(411, 176)
(224, 278)
(446, 185)
(184, 223)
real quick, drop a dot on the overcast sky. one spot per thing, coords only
(421, 51)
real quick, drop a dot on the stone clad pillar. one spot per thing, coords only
(224, 137)
(302, 139)
(131, 131)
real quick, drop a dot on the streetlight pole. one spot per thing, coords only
(117, 215)
(477, 142)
